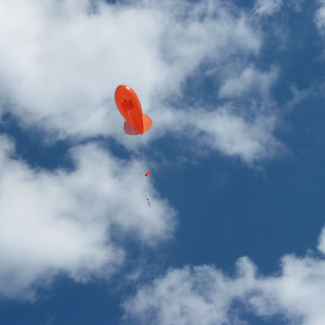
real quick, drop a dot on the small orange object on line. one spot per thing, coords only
(130, 108)
(147, 174)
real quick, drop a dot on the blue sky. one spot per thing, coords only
(235, 234)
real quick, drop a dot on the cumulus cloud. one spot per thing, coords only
(68, 221)
(206, 295)
(60, 73)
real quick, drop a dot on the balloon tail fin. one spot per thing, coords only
(147, 122)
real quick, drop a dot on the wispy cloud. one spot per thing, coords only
(248, 81)
(267, 7)
(320, 17)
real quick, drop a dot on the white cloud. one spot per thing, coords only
(60, 73)
(296, 5)
(235, 136)
(250, 80)
(300, 95)
(267, 7)
(205, 295)
(67, 221)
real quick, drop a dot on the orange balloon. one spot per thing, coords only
(129, 106)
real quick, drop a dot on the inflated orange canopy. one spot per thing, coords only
(129, 106)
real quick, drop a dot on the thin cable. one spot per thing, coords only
(145, 225)
(139, 161)
(136, 276)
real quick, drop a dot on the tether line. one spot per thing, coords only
(145, 226)
(139, 161)
(137, 274)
